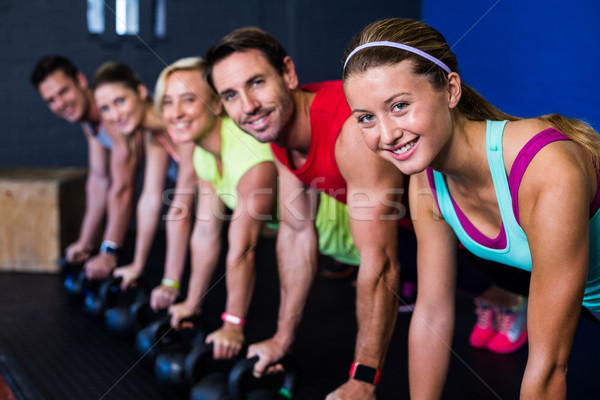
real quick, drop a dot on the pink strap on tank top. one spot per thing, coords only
(168, 147)
(531, 148)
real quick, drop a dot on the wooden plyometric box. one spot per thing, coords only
(41, 210)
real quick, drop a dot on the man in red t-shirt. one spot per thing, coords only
(317, 144)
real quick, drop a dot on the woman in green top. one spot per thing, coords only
(234, 172)
(237, 172)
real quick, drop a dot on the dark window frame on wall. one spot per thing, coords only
(117, 21)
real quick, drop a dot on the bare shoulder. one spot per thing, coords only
(421, 196)
(261, 176)
(559, 169)
(350, 141)
(87, 132)
(517, 133)
(152, 120)
(113, 132)
(516, 136)
(185, 151)
(420, 182)
(527, 127)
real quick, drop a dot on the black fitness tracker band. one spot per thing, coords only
(364, 373)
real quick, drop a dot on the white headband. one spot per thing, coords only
(401, 47)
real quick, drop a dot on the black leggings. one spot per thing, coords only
(592, 315)
(474, 275)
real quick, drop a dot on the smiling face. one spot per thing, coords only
(121, 106)
(65, 96)
(402, 117)
(255, 95)
(189, 107)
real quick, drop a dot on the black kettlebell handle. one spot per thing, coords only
(147, 340)
(69, 268)
(159, 329)
(198, 353)
(83, 282)
(162, 325)
(75, 282)
(243, 369)
(201, 352)
(109, 291)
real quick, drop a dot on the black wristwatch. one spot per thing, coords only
(364, 373)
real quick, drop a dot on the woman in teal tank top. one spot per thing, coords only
(540, 215)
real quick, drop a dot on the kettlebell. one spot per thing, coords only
(242, 385)
(142, 314)
(95, 301)
(207, 376)
(211, 387)
(169, 367)
(159, 334)
(200, 362)
(118, 318)
(75, 282)
(148, 340)
(67, 268)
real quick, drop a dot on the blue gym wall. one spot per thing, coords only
(527, 57)
(315, 33)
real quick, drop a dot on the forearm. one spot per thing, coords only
(95, 208)
(240, 280)
(205, 256)
(430, 341)
(120, 205)
(297, 261)
(549, 382)
(376, 308)
(178, 226)
(551, 334)
(148, 213)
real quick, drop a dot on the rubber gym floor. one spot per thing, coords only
(49, 349)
